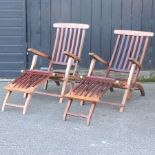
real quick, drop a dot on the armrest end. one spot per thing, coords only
(136, 62)
(39, 53)
(69, 54)
(98, 58)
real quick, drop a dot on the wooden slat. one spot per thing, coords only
(77, 115)
(28, 81)
(91, 89)
(47, 94)
(71, 25)
(64, 44)
(77, 42)
(140, 46)
(128, 52)
(59, 52)
(22, 79)
(119, 52)
(55, 45)
(68, 43)
(84, 98)
(81, 43)
(134, 51)
(83, 91)
(14, 105)
(144, 49)
(73, 40)
(78, 87)
(114, 51)
(124, 53)
(134, 33)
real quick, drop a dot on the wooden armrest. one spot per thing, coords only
(136, 62)
(98, 58)
(69, 54)
(39, 53)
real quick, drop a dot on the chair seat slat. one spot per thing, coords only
(32, 80)
(92, 88)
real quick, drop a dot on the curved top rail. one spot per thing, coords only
(71, 25)
(134, 33)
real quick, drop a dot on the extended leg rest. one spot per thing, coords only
(89, 90)
(27, 83)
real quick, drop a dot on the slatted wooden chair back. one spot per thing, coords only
(129, 44)
(70, 38)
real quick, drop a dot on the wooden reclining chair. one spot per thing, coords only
(128, 55)
(66, 55)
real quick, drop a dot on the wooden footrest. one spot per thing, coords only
(91, 89)
(14, 105)
(28, 81)
(77, 115)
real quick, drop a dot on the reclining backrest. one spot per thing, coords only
(129, 44)
(70, 38)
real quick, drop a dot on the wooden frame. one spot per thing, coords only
(26, 83)
(90, 89)
(66, 53)
(68, 43)
(128, 55)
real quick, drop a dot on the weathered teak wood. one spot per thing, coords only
(66, 54)
(128, 55)
(90, 89)
(26, 83)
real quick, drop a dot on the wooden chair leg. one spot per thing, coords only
(92, 108)
(5, 99)
(88, 117)
(82, 102)
(124, 100)
(67, 109)
(63, 91)
(72, 85)
(27, 103)
(111, 89)
(69, 63)
(57, 83)
(130, 95)
(61, 100)
(127, 91)
(25, 95)
(47, 82)
(141, 88)
(46, 85)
